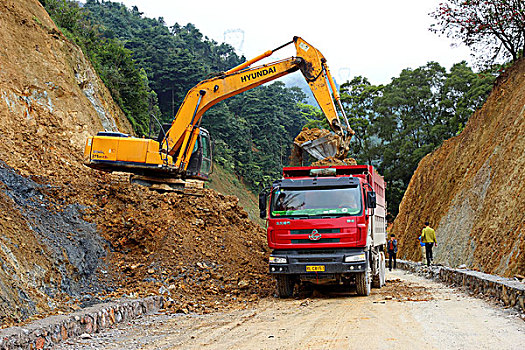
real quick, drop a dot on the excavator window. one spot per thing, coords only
(206, 153)
(205, 147)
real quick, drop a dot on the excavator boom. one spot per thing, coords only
(170, 156)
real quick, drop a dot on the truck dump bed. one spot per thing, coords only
(367, 172)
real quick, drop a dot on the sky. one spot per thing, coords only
(373, 38)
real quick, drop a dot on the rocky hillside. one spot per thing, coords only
(472, 189)
(50, 101)
(69, 235)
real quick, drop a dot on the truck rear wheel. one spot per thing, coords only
(379, 280)
(363, 283)
(285, 286)
(382, 276)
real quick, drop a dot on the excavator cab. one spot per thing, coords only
(200, 166)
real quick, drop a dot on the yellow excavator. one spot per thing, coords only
(183, 151)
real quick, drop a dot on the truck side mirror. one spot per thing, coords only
(263, 198)
(371, 200)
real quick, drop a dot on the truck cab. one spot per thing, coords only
(326, 225)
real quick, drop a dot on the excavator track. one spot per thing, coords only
(192, 187)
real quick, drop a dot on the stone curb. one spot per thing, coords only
(47, 332)
(510, 292)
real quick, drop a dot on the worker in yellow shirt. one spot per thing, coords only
(428, 236)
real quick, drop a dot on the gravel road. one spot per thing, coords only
(410, 312)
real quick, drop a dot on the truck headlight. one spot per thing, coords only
(277, 260)
(355, 258)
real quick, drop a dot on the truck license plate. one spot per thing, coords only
(316, 268)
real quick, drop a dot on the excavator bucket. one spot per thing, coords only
(321, 143)
(323, 147)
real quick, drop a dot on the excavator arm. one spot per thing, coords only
(172, 155)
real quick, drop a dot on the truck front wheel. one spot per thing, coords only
(363, 283)
(285, 286)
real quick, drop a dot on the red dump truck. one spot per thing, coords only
(326, 225)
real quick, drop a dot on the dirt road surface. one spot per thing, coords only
(410, 312)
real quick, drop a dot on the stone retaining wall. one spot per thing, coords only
(45, 333)
(509, 291)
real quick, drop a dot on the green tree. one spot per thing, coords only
(357, 97)
(66, 14)
(463, 93)
(409, 125)
(175, 58)
(314, 117)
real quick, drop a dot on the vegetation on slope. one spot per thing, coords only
(227, 183)
(114, 64)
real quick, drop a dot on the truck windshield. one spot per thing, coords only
(318, 202)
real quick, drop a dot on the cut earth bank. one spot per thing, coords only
(71, 236)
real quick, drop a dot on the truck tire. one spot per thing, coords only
(379, 279)
(363, 283)
(382, 276)
(285, 286)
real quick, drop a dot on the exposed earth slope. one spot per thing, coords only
(50, 101)
(70, 235)
(472, 189)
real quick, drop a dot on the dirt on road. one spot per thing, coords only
(410, 312)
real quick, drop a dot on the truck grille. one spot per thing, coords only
(322, 240)
(316, 251)
(321, 231)
(316, 260)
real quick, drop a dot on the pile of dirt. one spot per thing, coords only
(72, 236)
(310, 134)
(402, 291)
(335, 161)
(201, 251)
(51, 100)
(472, 189)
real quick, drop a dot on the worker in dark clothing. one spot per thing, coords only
(428, 236)
(391, 247)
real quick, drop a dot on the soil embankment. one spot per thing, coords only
(71, 236)
(472, 188)
(50, 101)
